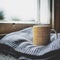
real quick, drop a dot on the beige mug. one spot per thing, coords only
(41, 34)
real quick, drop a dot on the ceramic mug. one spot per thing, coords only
(41, 34)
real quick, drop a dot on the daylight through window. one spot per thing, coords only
(19, 9)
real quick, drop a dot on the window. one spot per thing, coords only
(17, 10)
(45, 11)
(25, 10)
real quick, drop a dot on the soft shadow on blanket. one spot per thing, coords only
(19, 44)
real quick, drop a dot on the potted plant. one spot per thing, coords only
(1, 15)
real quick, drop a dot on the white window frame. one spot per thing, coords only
(30, 22)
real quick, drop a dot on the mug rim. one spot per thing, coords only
(44, 25)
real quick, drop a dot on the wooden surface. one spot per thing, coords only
(57, 15)
(9, 27)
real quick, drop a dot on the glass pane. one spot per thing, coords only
(45, 11)
(19, 9)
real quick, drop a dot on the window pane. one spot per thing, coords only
(19, 9)
(45, 11)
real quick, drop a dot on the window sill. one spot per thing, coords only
(18, 22)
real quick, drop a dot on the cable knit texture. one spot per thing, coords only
(21, 41)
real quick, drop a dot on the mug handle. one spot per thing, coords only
(55, 32)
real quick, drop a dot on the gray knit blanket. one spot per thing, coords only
(21, 41)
